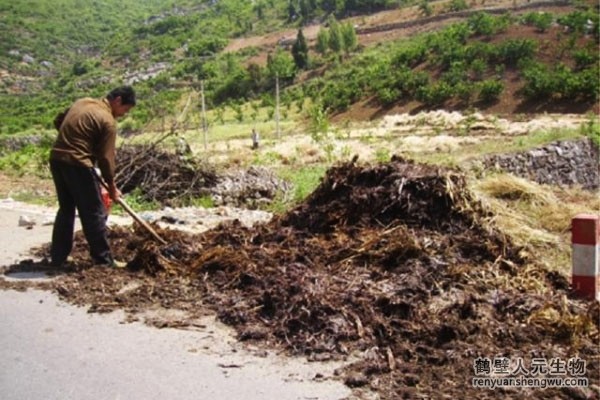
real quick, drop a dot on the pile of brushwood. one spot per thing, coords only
(174, 179)
(393, 265)
(161, 176)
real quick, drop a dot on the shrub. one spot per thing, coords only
(490, 90)
(457, 73)
(411, 55)
(478, 67)
(516, 50)
(457, 5)
(541, 20)
(387, 96)
(538, 81)
(464, 91)
(425, 8)
(435, 94)
(481, 24)
(579, 21)
(584, 58)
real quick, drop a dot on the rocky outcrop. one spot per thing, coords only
(564, 163)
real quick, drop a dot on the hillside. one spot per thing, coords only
(504, 56)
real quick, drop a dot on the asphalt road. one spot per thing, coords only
(52, 350)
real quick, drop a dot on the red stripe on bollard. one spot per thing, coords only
(585, 229)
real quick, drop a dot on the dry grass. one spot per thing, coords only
(537, 217)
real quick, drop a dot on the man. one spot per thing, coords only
(255, 139)
(87, 136)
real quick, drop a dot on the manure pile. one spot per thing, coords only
(393, 263)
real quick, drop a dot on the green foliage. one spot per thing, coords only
(577, 21)
(541, 20)
(350, 42)
(300, 51)
(30, 159)
(338, 97)
(336, 40)
(137, 201)
(485, 24)
(457, 5)
(425, 8)
(435, 94)
(93, 46)
(304, 180)
(591, 129)
(207, 45)
(281, 64)
(410, 55)
(203, 202)
(322, 41)
(382, 154)
(490, 90)
(516, 50)
(561, 82)
(464, 91)
(585, 58)
(478, 67)
(319, 122)
(457, 73)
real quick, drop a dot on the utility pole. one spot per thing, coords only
(277, 105)
(204, 124)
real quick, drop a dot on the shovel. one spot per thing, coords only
(133, 214)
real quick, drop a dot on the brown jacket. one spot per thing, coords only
(87, 136)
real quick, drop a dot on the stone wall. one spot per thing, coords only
(563, 163)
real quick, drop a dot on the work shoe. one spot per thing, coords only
(55, 264)
(114, 264)
(118, 264)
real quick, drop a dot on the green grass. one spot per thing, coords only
(304, 180)
(32, 197)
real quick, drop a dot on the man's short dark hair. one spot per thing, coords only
(126, 93)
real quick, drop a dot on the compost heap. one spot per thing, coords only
(394, 264)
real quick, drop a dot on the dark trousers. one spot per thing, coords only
(78, 188)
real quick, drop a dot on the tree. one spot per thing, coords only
(300, 51)
(349, 37)
(281, 64)
(292, 14)
(259, 8)
(306, 9)
(322, 41)
(336, 41)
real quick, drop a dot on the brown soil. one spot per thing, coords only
(394, 264)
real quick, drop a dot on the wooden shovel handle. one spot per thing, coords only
(126, 207)
(136, 217)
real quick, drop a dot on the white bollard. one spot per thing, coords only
(585, 239)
